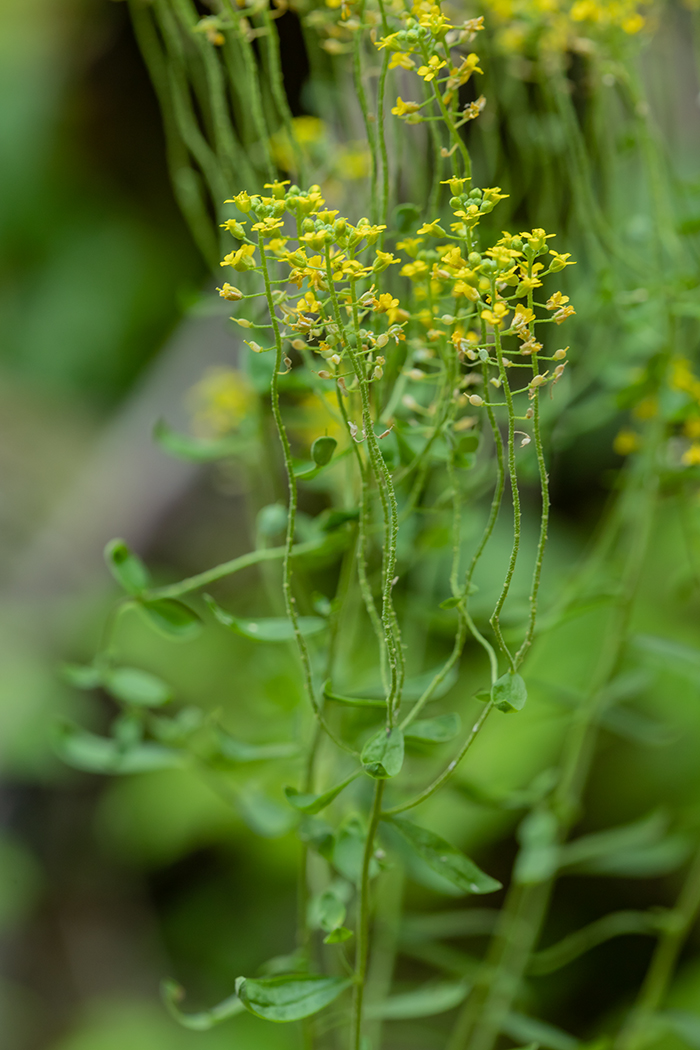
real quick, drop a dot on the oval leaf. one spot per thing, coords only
(382, 755)
(201, 1022)
(337, 936)
(289, 997)
(266, 629)
(330, 911)
(126, 567)
(81, 676)
(97, 754)
(434, 730)
(446, 860)
(134, 686)
(509, 693)
(311, 804)
(172, 618)
(322, 450)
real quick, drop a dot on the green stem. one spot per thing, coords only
(363, 919)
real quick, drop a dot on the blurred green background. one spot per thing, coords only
(107, 886)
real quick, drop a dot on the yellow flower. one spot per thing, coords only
(383, 303)
(691, 427)
(268, 225)
(434, 229)
(462, 74)
(691, 456)
(626, 442)
(461, 288)
(382, 260)
(521, 320)
(234, 227)
(647, 408)
(402, 109)
(556, 301)
(228, 291)
(456, 184)
(415, 270)
(560, 261)
(220, 401)
(277, 188)
(242, 259)
(428, 72)
(496, 316)
(241, 200)
(400, 58)
(410, 245)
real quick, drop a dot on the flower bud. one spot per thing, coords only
(475, 399)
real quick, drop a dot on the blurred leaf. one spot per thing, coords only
(540, 852)
(266, 629)
(348, 850)
(337, 936)
(134, 686)
(382, 755)
(639, 850)
(242, 751)
(315, 803)
(426, 1001)
(683, 659)
(172, 618)
(322, 450)
(519, 1026)
(173, 994)
(97, 754)
(262, 815)
(434, 730)
(82, 677)
(196, 450)
(469, 922)
(683, 1024)
(330, 911)
(445, 859)
(318, 834)
(289, 997)
(126, 567)
(451, 603)
(509, 693)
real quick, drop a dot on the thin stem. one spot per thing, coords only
(363, 917)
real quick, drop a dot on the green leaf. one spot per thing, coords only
(201, 1022)
(683, 1024)
(97, 754)
(509, 693)
(81, 676)
(172, 618)
(134, 686)
(322, 450)
(434, 730)
(616, 924)
(289, 997)
(540, 852)
(348, 850)
(126, 567)
(263, 815)
(337, 936)
(311, 804)
(241, 751)
(195, 450)
(330, 911)
(445, 859)
(639, 850)
(426, 1001)
(451, 603)
(266, 629)
(519, 1026)
(351, 701)
(382, 755)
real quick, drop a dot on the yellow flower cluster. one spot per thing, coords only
(463, 301)
(559, 25)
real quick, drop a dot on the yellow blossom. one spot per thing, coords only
(429, 72)
(401, 109)
(400, 58)
(220, 401)
(496, 316)
(242, 259)
(384, 302)
(241, 200)
(434, 229)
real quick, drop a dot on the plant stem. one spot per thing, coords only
(363, 917)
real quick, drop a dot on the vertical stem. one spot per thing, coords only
(363, 916)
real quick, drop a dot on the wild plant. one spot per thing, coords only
(430, 347)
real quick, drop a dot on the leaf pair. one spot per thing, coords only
(286, 997)
(128, 684)
(170, 617)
